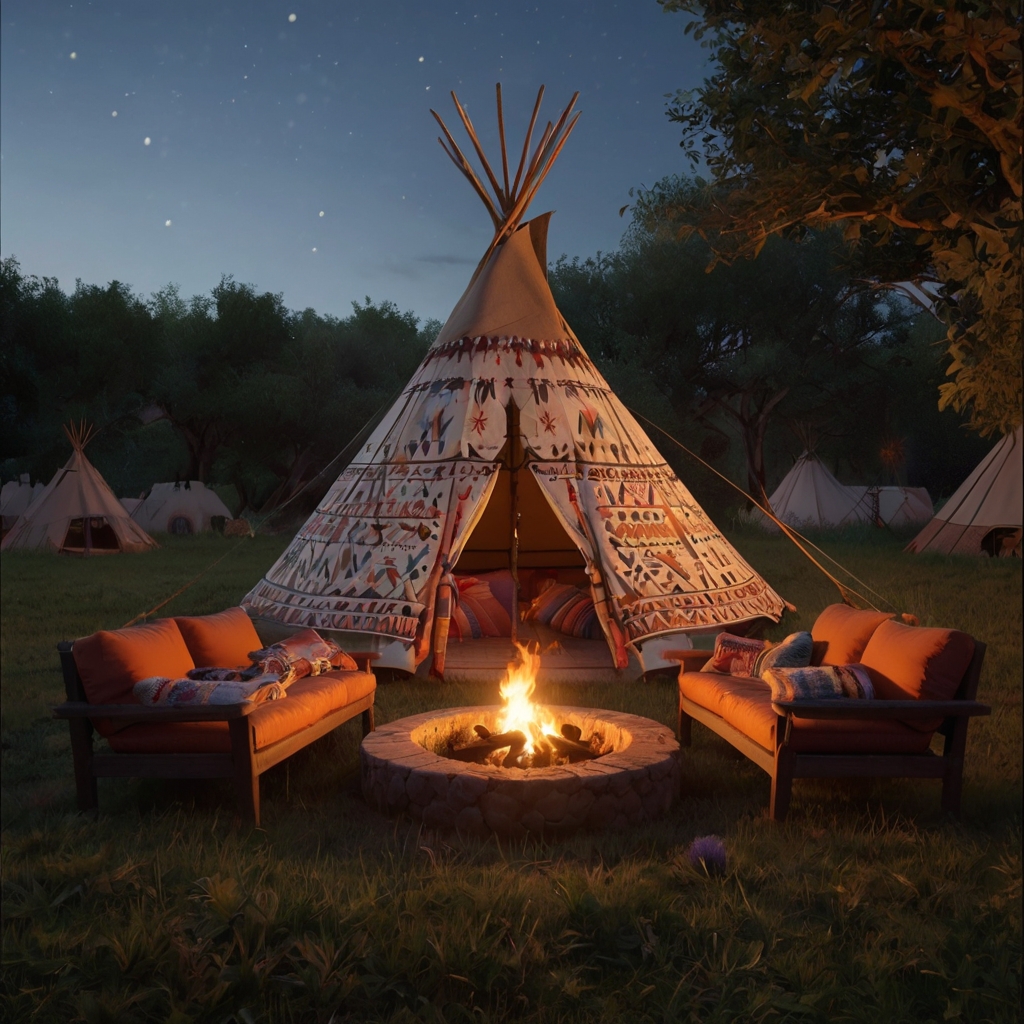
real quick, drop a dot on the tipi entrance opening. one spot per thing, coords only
(91, 535)
(519, 533)
(538, 540)
(181, 525)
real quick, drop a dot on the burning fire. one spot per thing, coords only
(520, 713)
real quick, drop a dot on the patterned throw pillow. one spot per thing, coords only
(820, 682)
(479, 612)
(735, 655)
(567, 609)
(159, 691)
(305, 653)
(793, 652)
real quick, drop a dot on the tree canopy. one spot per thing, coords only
(758, 350)
(898, 122)
(229, 387)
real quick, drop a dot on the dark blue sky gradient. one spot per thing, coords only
(257, 124)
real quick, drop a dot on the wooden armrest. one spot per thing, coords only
(845, 707)
(687, 658)
(136, 712)
(364, 659)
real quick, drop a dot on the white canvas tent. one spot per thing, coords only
(180, 507)
(984, 514)
(16, 496)
(506, 449)
(893, 505)
(77, 513)
(809, 496)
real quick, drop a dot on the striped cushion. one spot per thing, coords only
(567, 609)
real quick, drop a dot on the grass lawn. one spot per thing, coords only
(866, 905)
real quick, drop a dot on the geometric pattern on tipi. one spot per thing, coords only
(371, 555)
(76, 506)
(991, 498)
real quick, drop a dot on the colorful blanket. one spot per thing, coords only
(160, 691)
(305, 654)
(822, 682)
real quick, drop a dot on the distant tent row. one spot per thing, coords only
(810, 496)
(77, 513)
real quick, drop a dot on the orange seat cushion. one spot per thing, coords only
(111, 661)
(308, 701)
(841, 633)
(746, 704)
(222, 640)
(915, 663)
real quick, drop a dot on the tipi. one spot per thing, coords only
(181, 507)
(984, 514)
(507, 449)
(77, 512)
(810, 496)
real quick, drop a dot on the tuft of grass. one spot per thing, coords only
(866, 905)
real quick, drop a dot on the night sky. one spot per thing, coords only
(290, 145)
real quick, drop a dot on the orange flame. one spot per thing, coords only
(516, 690)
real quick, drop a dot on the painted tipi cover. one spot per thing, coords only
(372, 555)
(77, 513)
(990, 499)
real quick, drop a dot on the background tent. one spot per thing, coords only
(984, 514)
(508, 448)
(15, 497)
(77, 512)
(185, 507)
(810, 496)
(131, 504)
(894, 505)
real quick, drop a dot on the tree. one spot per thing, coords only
(218, 350)
(787, 335)
(900, 122)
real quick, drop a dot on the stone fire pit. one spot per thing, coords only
(635, 781)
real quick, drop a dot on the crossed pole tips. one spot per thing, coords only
(79, 434)
(508, 204)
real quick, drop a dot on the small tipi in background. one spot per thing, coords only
(15, 497)
(77, 513)
(182, 507)
(810, 496)
(984, 514)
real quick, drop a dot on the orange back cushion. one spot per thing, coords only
(914, 663)
(110, 662)
(841, 633)
(223, 640)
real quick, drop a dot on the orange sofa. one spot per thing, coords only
(925, 682)
(237, 741)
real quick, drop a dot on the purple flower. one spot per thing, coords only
(708, 852)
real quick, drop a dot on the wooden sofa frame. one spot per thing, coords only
(244, 763)
(784, 764)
